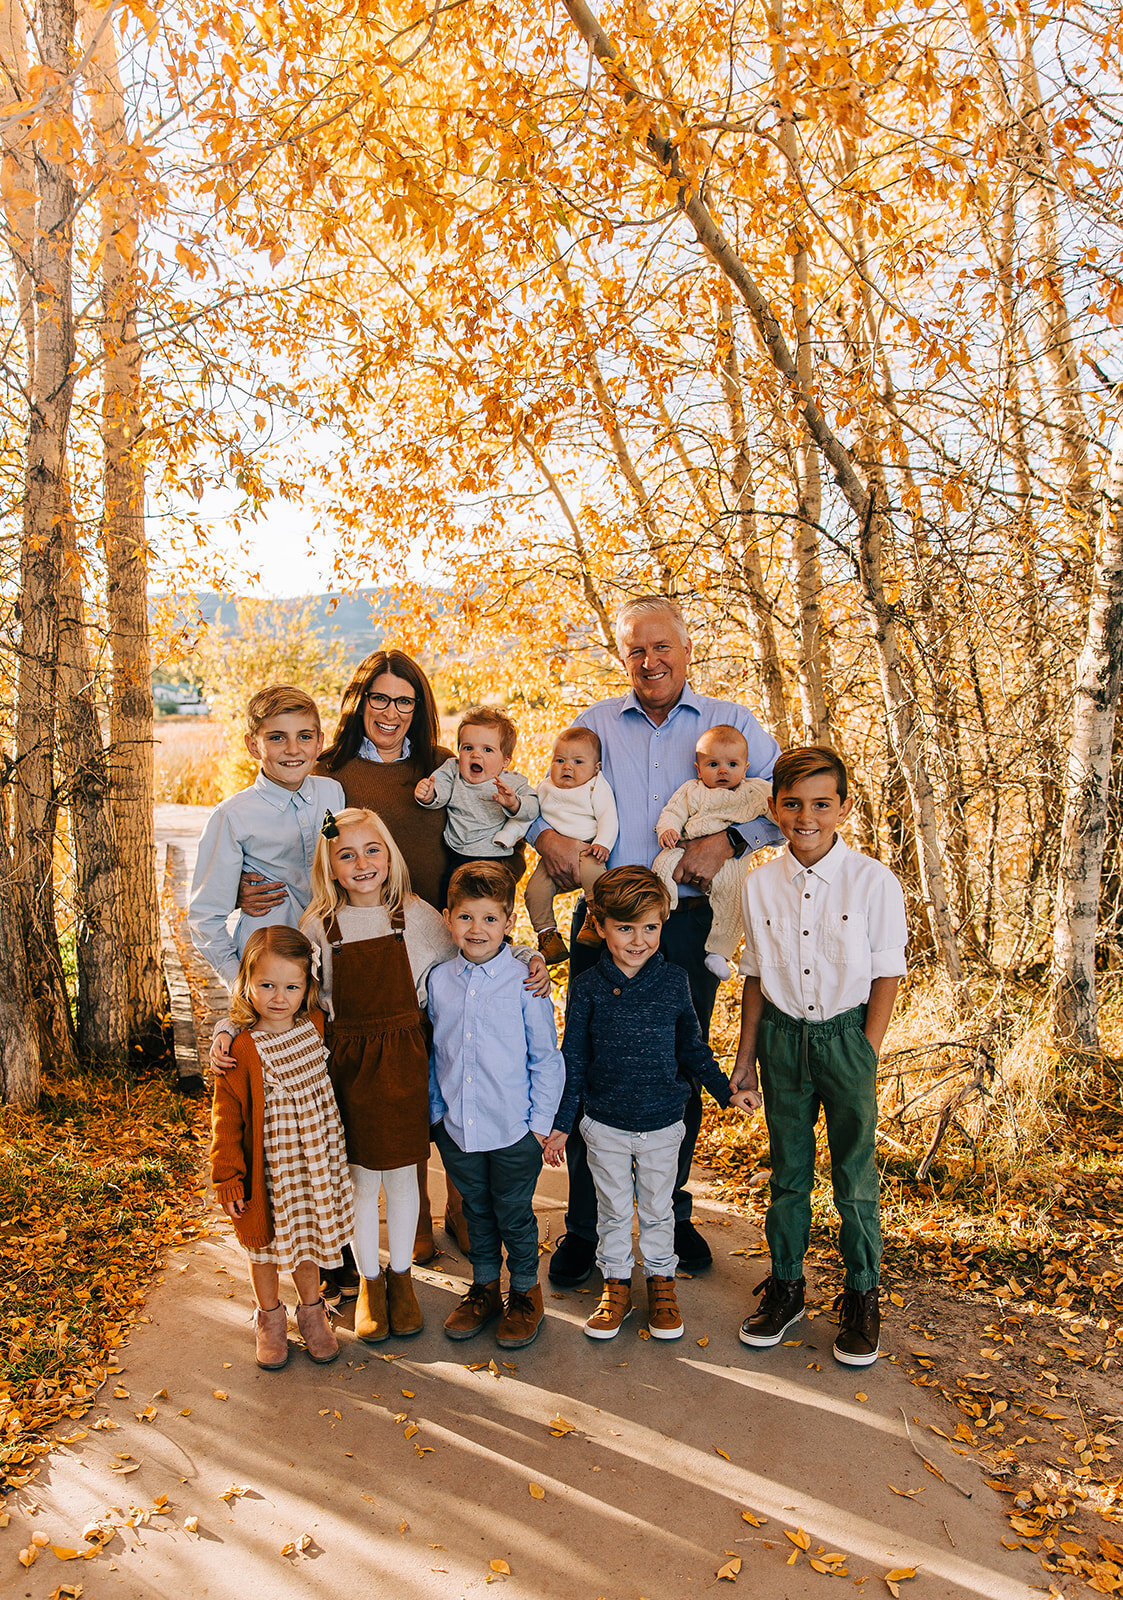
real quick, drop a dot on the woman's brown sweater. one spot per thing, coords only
(387, 788)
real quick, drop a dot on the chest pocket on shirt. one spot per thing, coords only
(844, 939)
(772, 938)
(502, 1020)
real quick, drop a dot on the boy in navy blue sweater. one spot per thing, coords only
(631, 1042)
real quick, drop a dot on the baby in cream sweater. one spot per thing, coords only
(575, 800)
(720, 797)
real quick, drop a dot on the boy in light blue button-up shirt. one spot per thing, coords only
(270, 828)
(496, 1077)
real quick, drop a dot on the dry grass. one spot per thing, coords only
(190, 754)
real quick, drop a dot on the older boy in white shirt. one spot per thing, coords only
(825, 937)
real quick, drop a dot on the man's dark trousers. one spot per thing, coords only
(684, 943)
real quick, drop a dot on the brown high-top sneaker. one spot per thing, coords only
(271, 1332)
(372, 1322)
(316, 1331)
(615, 1305)
(663, 1318)
(401, 1302)
(480, 1305)
(551, 947)
(522, 1319)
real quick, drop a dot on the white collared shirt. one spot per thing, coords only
(369, 751)
(817, 937)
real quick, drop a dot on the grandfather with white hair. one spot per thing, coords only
(647, 750)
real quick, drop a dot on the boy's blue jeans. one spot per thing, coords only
(804, 1066)
(497, 1187)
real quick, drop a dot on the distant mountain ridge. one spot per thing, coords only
(357, 621)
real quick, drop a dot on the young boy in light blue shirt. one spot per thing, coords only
(270, 828)
(496, 1077)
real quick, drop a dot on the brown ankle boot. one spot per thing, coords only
(316, 1331)
(589, 936)
(271, 1330)
(372, 1323)
(424, 1245)
(521, 1321)
(454, 1218)
(405, 1313)
(481, 1305)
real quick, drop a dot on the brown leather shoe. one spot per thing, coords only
(521, 1321)
(664, 1320)
(401, 1302)
(424, 1245)
(316, 1331)
(271, 1333)
(589, 935)
(615, 1306)
(372, 1322)
(454, 1218)
(480, 1305)
(551, 947)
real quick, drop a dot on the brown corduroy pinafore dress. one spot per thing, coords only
(379, 1060)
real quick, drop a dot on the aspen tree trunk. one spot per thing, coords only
(814, 671)
(19, 1031)
(1099, 673)
(126, 554)
(869, 515)
(41, 547)
(103, 1016)
(744, 499)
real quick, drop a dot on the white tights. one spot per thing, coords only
(403, 1201)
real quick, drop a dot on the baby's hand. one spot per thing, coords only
(222, 1058)
(506, 796)
(537, 976)
(233, 1208)
(670, 839)
(746, 1099)
(599, 852)
(425, 790)
(553, 1149)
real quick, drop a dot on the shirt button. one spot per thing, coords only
(811, 1008)
(806, 897)
(467, 1036)
(471, 991)
(469, 1121)
(806, 931)
(806, 974)
(616, 991)
(468, 1079)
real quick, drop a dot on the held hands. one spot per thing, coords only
(537, 978)
(506, 796)
(599, 852)
(424, 790)
(670, 838)
(746, 1099)
(553, 1148)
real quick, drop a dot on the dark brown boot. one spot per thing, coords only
(480, 1305)
(454, 1217)
(521, 1321)
(424, 1245)
(405, 1313)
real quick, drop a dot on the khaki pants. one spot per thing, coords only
(541, 889)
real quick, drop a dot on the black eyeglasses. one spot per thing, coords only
(402, 702)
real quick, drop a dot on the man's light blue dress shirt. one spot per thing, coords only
(645, 762)
(495, 1070)
(265, 829)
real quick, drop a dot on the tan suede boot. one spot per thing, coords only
(405, 1313)
(424, 1245)
(271, 1330)
(316, 1331)
(372, 1323)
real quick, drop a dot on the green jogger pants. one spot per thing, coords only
(805, 1065)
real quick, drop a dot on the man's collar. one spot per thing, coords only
(828, 868)
(687, 701)
(276, 793)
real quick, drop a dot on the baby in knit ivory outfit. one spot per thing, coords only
(577, 801)
(720, 797)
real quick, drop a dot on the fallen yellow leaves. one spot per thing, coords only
(559, 1427)
(799, 1538)
(235, 1492)
(536, 1491)
(220, 1394)
(719, 1451)
(500, 1567)
(730, 1570)
(753, 1519)
(297, 1546)
(896, 1577)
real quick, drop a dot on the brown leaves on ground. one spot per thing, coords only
(94, 1185)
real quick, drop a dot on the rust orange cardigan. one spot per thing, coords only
(238, 1139)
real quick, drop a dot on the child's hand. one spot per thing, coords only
(425, 790)
(553, 1149)
(670, 839)
(222, 1058)
(746, 1099)
(506, 796)
(233, 1208)
(537, 977)
(599, 852)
